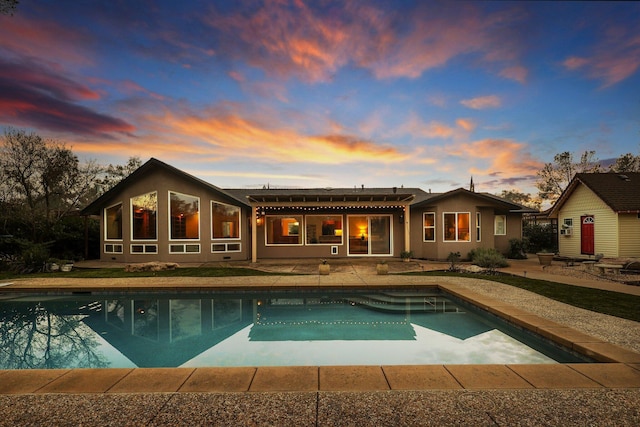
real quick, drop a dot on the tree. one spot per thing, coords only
(8, 6)
(43, 181)
(556, 176)
(626, 163)
(114, 174)
(524, 199)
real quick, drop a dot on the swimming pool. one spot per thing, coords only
(283, 328)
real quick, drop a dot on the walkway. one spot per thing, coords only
(567, 395)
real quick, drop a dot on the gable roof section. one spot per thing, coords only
(489, 199)
(619, 191)
(152, 164)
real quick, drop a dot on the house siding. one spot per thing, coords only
(583, 202)
(629, 225)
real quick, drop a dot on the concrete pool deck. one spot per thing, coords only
(558, 394)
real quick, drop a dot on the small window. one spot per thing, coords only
(144, 249)
(429, 223)
(500, 225)
(567, 222)
(112, 249)
(225, 247)
(478, 227)
(184, 248)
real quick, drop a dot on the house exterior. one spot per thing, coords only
(599, 213)
(160, 213)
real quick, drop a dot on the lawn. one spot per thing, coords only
(601, 301)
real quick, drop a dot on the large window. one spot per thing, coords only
(144, 213)
(113, 222)
(429, 223)
(500, 225)
(324, 229)
(225, 221)
(284, 230)
(185, 216)
(456, 227)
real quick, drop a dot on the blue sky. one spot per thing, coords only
(328, 94)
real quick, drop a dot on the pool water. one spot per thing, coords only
(259, 329)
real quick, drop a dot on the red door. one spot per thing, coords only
(587, 241)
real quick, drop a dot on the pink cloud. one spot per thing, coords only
(613, 59)
(482, 102)
(289, 39)
(44, 39)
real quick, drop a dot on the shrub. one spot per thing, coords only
(488, 258)
(518, 248)
(34, 257)
(540, 236)
(453, 258)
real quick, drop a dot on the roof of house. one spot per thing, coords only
(620, 191)
(344, 196)
(95, 207)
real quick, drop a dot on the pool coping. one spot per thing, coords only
(616, 367)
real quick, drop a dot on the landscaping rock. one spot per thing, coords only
(151, 266)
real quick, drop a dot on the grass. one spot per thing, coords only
(598, 300)
(116, 273)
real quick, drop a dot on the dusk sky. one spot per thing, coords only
(328, 94)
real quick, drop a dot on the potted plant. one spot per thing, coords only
(324, 268)
(382, 268)
(545, 257)
(406, 255)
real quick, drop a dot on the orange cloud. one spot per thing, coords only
(227, 135)
(482, 102)
(504, 156)
(466, 124)
(416, 128)
(517, 73)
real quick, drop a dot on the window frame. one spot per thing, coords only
(300, 234)
(495, 225)
(306, 231)
(106, 233)
(170, 222)
(425, 227)
(239, 214)
(132, 222)
(457, 229)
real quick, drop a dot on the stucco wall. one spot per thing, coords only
(440, 250)
(163, 183)
(584, 202)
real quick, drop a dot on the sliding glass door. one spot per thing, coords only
(370, 235)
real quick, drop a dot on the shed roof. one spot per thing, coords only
(620, 191)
